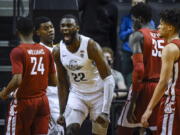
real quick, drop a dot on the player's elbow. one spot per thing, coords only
(17, 79)
(52, 80)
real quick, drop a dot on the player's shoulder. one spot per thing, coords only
(17, 49)
(93, 45)
(136, 36)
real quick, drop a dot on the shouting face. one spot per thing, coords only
(69, 29)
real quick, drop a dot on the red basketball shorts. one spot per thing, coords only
(28, 116)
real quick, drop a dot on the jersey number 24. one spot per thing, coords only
(38, 65)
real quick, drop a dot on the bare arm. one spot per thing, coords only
(63, 83)
(52, 81)
(12, 85)
(136, 42)
(169, 55)
(95, 53)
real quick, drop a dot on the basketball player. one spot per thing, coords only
(32, 68)
(45, 30)
(83, 73)
(168, 87)
(146, 47)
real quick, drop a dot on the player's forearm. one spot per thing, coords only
(63, 95)
(158, 93)
(109, 85)
(13, 84)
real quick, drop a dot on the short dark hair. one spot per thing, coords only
(142, 10)
(24, 25)
(172, 17)
(39, 20)
(108, 50)
(71, 16)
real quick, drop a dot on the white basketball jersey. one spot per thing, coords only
(83, 74)
(50, 90)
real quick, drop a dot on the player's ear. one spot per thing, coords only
(169, 27)
(37, 32)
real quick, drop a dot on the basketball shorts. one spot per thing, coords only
(141, 105)
(54, 128)
(169, 116)
(80, 105)
(28, 116)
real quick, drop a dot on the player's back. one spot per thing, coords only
(36, 62)
(152, 51)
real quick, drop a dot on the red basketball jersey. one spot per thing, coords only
(176, 68)
(35, 63)
(152, 51)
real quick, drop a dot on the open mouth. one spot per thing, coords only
(67, 37)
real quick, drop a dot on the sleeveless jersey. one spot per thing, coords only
(152, 51)
(83, 74)
(174, 82)
(51, 90)
(37, 63)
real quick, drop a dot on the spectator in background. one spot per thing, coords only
(125, 31)
(99, 21)
(119, 80)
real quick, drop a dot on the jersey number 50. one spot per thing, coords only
(156, 51)
(38, 66)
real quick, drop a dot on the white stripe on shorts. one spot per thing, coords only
(11, 125)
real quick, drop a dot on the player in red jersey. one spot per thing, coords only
(32, 69)
(146, 47)
(168, 88)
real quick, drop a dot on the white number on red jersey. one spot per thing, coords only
(38, 66)
(157, 45)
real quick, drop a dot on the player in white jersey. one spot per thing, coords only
(84, 73)
(45, 31)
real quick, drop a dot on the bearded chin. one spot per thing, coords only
(69, 42)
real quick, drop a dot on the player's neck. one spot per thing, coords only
(49, 44)
(26, 39)
(75, 44)
(172, 37)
